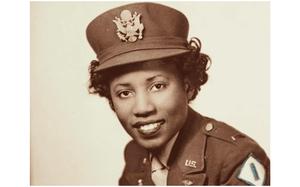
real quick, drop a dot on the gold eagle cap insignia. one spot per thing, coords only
(129, 27)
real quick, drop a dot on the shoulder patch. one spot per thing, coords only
(252, 172)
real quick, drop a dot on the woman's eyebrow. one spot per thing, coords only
(155, 76)
(122, 85)
(125, 84)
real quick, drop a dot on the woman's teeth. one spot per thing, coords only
(149, 128)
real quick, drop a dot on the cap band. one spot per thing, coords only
(146, 44)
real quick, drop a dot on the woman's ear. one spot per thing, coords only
(188, 88)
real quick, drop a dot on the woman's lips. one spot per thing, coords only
(151, 128)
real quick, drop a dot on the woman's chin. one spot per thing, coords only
(151, 144)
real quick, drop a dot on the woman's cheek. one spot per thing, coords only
(170, 99)
(122, 107)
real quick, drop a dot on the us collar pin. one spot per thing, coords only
(190, 163)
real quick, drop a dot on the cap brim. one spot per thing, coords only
(140, 56)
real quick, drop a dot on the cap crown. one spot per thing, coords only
(163, 28)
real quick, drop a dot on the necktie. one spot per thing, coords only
(159, 172)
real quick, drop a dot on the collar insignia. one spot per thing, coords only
(129, 27)
(190, 163)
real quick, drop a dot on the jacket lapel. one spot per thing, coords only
(141, 174)
(187, 157)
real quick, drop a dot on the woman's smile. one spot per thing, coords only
(149, 129)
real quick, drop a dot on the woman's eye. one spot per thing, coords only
(158, 86)
(125, 94)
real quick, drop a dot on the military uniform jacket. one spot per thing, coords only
(206, 152)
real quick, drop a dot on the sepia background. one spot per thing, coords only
(76, 138)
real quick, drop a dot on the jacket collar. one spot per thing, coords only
(141, 174)
(187, 157)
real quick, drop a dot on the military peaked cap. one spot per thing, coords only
(137, 32)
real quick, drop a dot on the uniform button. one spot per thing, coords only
(187, 182)
(209, 127)
(144, 160)
(140, 182)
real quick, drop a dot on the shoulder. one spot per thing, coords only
(229, 151)
(131, 149)
(222, 133)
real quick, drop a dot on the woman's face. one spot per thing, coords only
(151, 102)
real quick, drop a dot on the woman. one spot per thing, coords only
(149, 73)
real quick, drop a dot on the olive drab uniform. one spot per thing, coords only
(206, 152)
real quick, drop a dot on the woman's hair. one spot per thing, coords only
(192, 66)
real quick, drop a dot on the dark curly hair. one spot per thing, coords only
(193, 66)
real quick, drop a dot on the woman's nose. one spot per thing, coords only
(143, 106)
